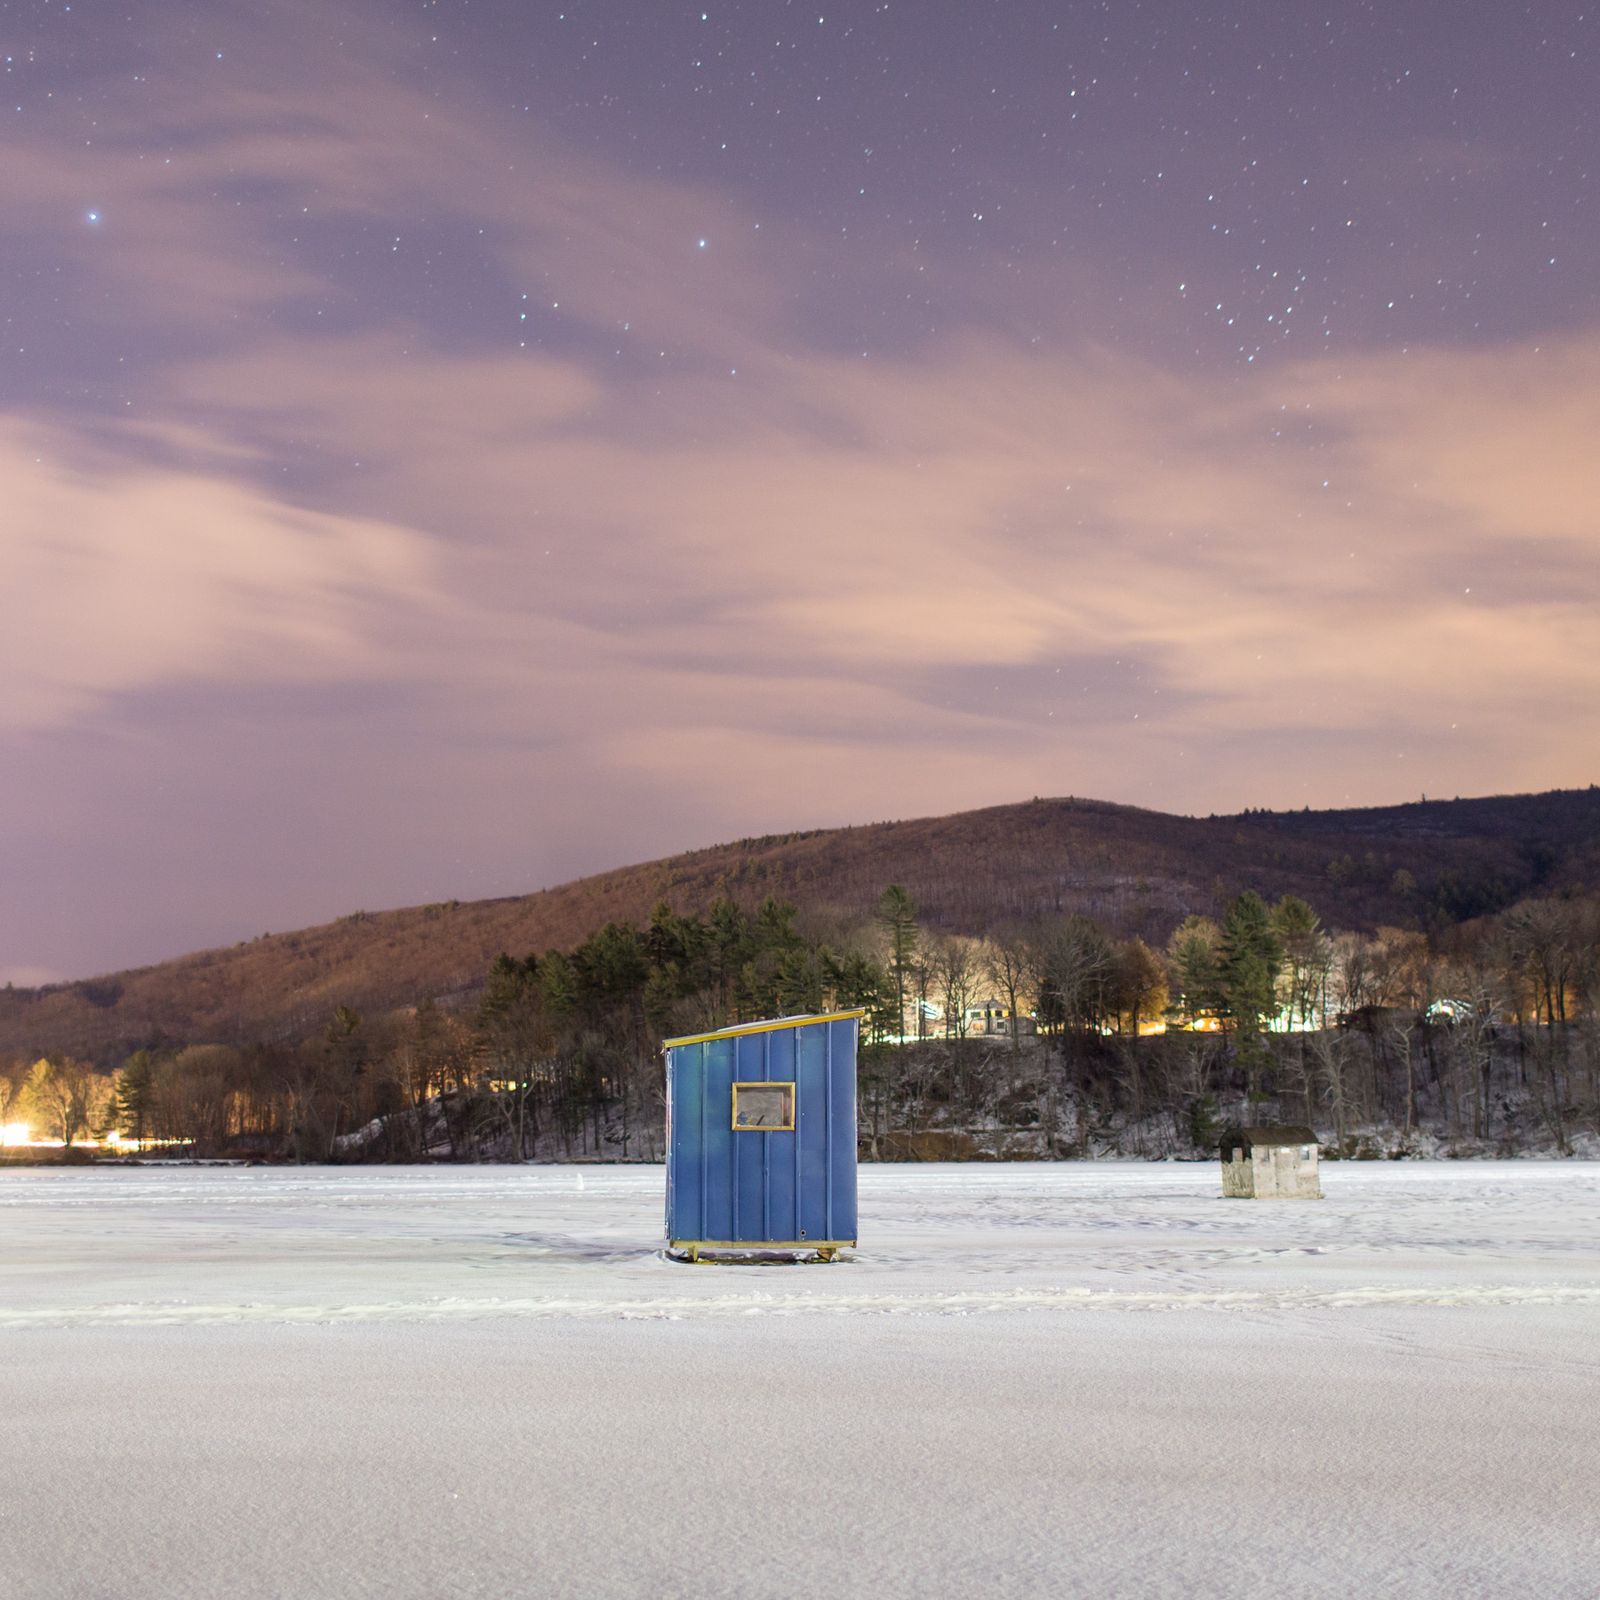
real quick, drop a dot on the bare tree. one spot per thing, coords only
(193, 1093)
(1543, 946)
(1400, 1033)
(1353, 984)
(955, 965)
(61, 1097)
(1008, 963)
(1330, 1051)
(13, 1081)
(1072, 959)
(1137, 986)
(1130, 1077)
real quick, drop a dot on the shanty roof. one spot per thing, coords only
(771, 1026)
(1251, 1138)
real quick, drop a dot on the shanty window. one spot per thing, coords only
(763, 1107)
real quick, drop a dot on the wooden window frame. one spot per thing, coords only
(790, 1090)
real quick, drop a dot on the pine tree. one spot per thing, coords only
(1305, 952)
(135, 1096)
(1251, 957)
(897, 916)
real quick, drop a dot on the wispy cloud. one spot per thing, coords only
(135, 577)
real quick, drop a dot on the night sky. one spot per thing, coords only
(449, 448)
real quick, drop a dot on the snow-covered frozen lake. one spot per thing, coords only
(1073, 1379)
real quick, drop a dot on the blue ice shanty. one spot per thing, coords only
(761, 1136)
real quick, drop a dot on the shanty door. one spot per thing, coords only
(1285, 1168)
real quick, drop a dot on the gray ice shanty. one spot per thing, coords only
(1270, 1163)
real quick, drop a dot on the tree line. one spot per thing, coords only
(1472, 1031)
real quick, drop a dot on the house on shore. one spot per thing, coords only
(991, 1018)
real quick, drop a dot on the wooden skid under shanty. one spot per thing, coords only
(710, 1249)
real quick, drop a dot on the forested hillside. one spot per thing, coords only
(1425, 865)
(1046, 1037)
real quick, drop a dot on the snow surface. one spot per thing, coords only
(1071, 1379)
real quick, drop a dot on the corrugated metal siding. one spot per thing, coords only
(767, 1186)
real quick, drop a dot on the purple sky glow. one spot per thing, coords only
(449, 448)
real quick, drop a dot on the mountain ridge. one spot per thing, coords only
(1134, 869)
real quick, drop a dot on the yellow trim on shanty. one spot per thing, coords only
(762, 1027)
(755, 1246)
